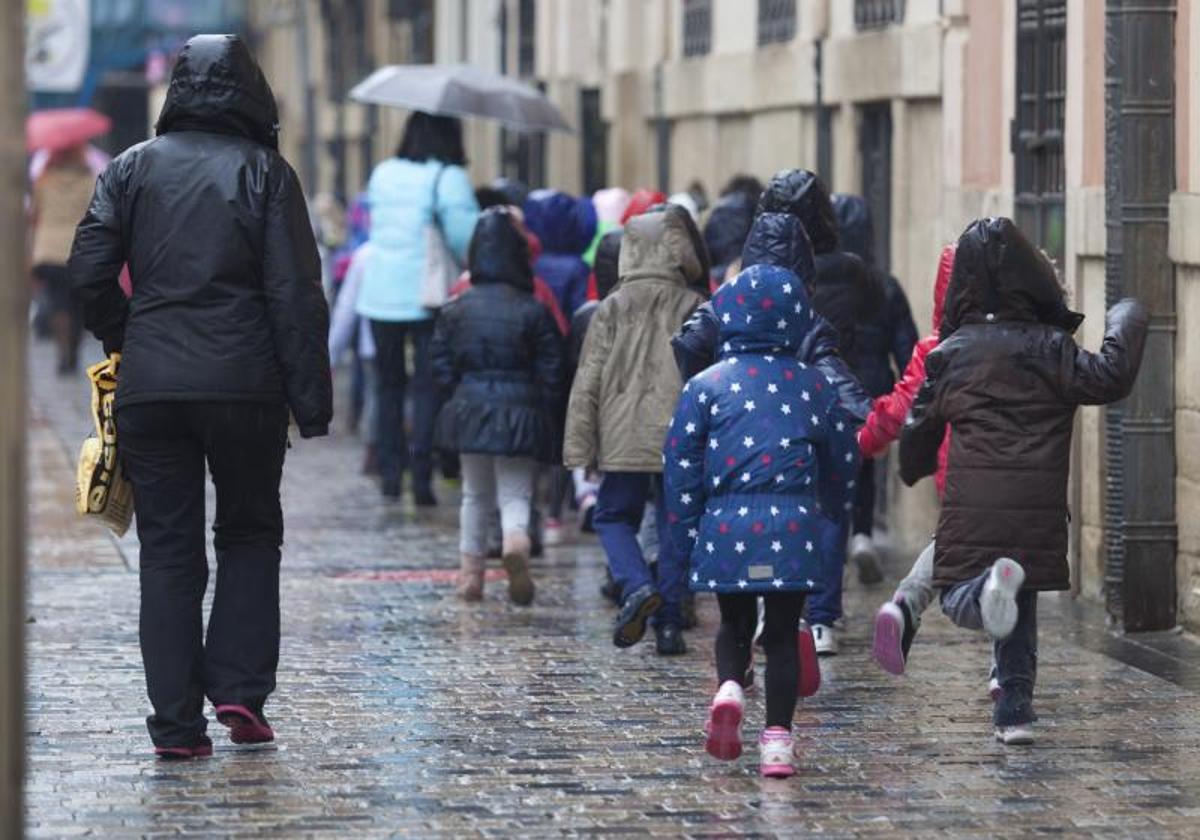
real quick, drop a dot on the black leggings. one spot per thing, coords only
(739, 617)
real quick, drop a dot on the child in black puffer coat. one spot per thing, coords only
(500, 354)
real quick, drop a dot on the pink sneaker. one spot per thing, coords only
(777, 753)
(810, 666)
(888, 645)
(245, 727)
(724, 727)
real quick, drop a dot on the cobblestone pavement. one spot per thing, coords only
(402, 712)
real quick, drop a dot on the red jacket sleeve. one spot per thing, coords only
(887, 415)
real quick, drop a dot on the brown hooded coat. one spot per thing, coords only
(1008, 377)
(627, 384)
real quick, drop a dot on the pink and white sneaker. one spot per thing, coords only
(810, 666)
(724, 727)
(777, 753)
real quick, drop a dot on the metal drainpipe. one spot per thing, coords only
(14, 308)
(310, 107)
(1140, 527)
(824, 141)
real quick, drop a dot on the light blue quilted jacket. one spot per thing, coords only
(400, 195)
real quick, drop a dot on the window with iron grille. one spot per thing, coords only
(776, 21)
(413, 30)
(876, 14)
(527, 38)
(1037, 132)
(697, 27)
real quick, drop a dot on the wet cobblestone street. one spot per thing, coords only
(403, 712)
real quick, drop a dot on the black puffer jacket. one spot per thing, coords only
(604, 268)
(227, 301)
(498, 353)
(888, 338)
(1008, 377)
(777, 238)
(726, 230)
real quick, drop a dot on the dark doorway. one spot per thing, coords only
(875, 149)
(1037, 132)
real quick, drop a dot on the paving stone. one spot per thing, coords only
(402, 712)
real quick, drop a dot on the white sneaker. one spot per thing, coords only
(866, 559)
(824, 639)
(553, 533)
(777, 753)
(1021, 734)
(998, 601)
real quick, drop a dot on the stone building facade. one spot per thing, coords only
(938, 111)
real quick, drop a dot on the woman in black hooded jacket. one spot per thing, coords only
(226, 330)
(499, 353)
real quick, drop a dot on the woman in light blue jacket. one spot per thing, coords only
(425, 179)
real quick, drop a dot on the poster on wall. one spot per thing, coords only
(57, 35)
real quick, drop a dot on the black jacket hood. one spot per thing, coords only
(780, 239)
(1000, 276)
(726, 229)
(217, 86)
(855, 230)
(801, 193)
(605, 266)
(499, 252)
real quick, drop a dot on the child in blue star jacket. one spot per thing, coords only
(759, 448)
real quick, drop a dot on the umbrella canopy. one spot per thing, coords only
(460, 90)
(61, 128)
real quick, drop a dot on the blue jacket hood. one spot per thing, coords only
(764, 309)
(780, 239)
(563, 223)
(856, 233)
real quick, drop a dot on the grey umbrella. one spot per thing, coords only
(460, 90)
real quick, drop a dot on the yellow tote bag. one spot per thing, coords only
(101, 488)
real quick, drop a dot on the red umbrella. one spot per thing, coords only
(61, 128)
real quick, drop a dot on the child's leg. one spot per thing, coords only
(739, 614)
(1016, 665)
(782, 615)
(916, 590)
(620, 505)
(960, 602)
(825, 605)
(672, 565)
(478, 503)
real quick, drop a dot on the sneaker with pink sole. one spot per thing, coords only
(202, 748)
(724, 727)
(777, 753)
(245, 726)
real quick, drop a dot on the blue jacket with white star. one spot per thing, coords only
(759, 446)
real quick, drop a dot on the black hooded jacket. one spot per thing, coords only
(778, 237)
(726, 230)
(227, 302)
(498, 353)
(604, 268)
(888, 338)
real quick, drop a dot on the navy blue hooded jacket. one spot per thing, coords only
(566, 226)
(759, 447)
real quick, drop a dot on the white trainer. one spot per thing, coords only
(777, 753)
(1019, 735)
(824, 640)
(998, 601)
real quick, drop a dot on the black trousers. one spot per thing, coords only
(396, 452)
(864, 498)
(781, 623)
(164, 448)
